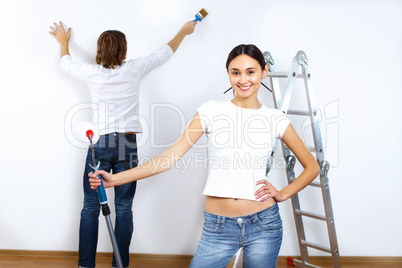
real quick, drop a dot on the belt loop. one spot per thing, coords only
(254, 218)
(218, 222)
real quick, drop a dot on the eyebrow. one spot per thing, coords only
(236, 69)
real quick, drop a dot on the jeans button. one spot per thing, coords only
(239, 220)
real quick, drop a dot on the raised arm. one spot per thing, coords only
(187, 29)
(156, 165)
(62, 37)
(306, 159)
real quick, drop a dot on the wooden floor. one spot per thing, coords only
(14, 259)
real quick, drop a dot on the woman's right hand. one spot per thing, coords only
(189, 27)
(95, 182)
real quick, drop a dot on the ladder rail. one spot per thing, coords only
(301, 235)
(313, 112)
(320, 157)
(290, 86)
(329, 214)
(276, 93)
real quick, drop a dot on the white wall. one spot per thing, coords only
(354, 48)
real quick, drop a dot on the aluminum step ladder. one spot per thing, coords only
(301, 61)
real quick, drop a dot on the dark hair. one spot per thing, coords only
(249, 50)
(112, 49)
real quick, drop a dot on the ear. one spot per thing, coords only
(265, 71)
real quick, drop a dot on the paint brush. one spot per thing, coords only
(201, 15)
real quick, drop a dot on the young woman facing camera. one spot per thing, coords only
(241, 205)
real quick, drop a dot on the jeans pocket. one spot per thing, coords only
(210, 227)
(270, 223)
(131, 137)
(101, 147)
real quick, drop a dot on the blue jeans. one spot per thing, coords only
(116, 152)
(260, 235)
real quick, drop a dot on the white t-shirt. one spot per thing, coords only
(115, 92)
(239, 143)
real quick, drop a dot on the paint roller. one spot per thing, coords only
(89, 133)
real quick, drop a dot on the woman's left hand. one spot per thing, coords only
(62, 36)
(266, 191)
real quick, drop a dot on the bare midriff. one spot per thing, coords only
(230, 207)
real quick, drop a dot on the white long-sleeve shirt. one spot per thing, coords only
(115, 92)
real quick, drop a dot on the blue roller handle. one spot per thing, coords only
(101, 192)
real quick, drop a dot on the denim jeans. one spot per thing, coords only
(116, 152)
(260, 235)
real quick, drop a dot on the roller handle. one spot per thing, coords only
(101, 192)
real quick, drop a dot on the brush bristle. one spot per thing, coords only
(203, 12)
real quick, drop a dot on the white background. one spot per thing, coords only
(355, 52)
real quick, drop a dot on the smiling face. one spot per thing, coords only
(245, 75)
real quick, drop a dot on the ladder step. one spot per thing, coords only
(310, 214)
(298, 112)
(312, 149)
(299, 263)
(282, 74)
(316, 246)
(314, 184)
